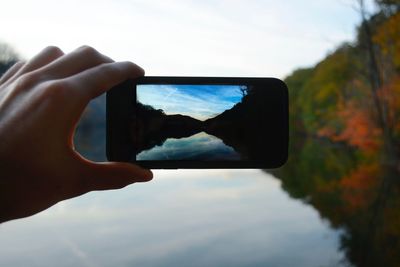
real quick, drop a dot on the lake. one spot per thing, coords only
(200, 146)
(181, 218)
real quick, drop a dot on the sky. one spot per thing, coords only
(197, 101)
(186, 37)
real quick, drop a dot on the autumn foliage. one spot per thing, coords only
(338, 98)
(344, 115)
(358, 188)
(359, 129)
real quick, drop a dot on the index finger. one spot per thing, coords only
(94, 81)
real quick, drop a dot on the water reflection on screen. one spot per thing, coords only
(208, 147)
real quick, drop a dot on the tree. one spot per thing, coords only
(389, 6)
(243, 90)
(376, 84)
(8, 57)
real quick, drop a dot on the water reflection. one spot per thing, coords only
(207, 147)
(354, 191)
(182, 218)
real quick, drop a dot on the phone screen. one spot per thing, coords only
(190, 122)
(202, 122)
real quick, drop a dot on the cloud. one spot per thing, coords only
(176, 37)
(200, 102)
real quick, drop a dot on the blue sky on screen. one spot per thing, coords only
(198, 101)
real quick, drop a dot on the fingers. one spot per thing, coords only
(46, 56)
(112, 175)
(95, 81)
(11, 71)
(80, 59)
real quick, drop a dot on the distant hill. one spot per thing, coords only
(152, 127)
(250, 126)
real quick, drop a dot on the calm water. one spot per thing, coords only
(181, 218)
(200, 146)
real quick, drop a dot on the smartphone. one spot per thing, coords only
(198, 122)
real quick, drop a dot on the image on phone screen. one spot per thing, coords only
(189, 122)
(199, 122)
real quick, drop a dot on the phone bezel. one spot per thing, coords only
(118, 111)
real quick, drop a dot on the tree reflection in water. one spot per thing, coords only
(352, 190)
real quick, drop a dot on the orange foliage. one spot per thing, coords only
(326, 132)
(357, 188)
(359, 129)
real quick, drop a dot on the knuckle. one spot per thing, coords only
(57, 90)
(89, 51)
(53, 51)
(109, 69)
(27, 80)
(93, 55)
(20, 63)
(117, 68)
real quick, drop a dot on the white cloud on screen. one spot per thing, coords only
(174, 101)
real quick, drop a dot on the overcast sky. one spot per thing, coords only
(186, 37)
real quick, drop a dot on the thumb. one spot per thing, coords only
(113, 175)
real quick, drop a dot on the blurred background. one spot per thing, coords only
(335, 203)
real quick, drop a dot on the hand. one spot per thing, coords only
(41, 102)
